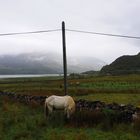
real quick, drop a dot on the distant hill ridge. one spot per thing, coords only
(127, 64)
(46, 63)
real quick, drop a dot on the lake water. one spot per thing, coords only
(29, 75)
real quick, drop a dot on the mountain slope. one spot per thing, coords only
(45, 63)
(123, 65)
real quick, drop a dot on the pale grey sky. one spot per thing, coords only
(111, 16)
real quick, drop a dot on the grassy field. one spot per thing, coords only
(22, 122)
(27, 122)
(121, 89)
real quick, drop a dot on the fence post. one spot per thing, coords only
(64, 58)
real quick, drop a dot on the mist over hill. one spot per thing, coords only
(46, 63)
(127, 64)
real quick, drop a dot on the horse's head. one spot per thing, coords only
(70, 106)
(71, 109)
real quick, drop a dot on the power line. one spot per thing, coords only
(104, 34)
(71, 30)
(32, 32)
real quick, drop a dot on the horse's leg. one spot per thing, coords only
(68, 114)
(46, 110)
(65, 111)
(50, 108)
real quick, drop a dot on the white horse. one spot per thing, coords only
(65, 103)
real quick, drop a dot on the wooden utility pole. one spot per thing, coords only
(64, 58)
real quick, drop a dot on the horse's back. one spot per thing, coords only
(64, 100)
(58, 102)
(49, 99)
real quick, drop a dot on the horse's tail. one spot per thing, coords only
(46, 109)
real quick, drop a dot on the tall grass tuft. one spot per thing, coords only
(81, 136)
(56, 119)
(136, 125)
(56, 136)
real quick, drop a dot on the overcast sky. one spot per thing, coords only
(110, 16)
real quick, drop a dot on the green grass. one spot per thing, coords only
(111, 85)
(47, 86)
(22, 122)
(120, 98)
(27, 122)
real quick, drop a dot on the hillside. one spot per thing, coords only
(91, 72)
(128, 64)
(45, 63)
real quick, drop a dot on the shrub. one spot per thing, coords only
(87, 118)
